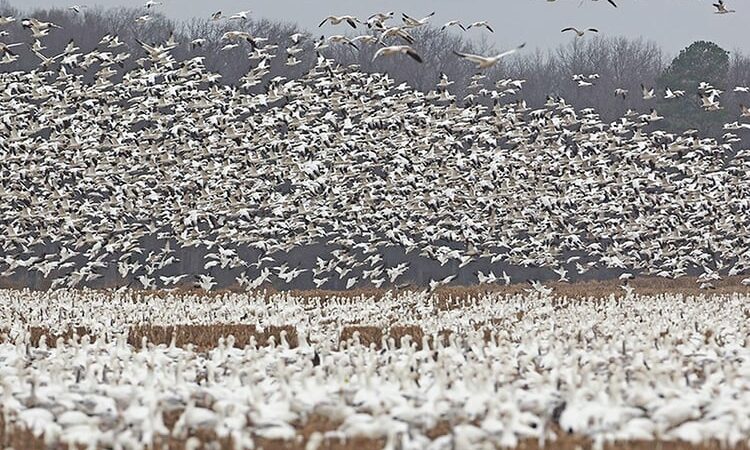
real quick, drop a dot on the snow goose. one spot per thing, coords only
(398, 50)
(411, 22)
(581, 32)
(481, 24)
(648, 94)
(241, 15)
(452, 23)
(484, 62)
(335, 20)
(670, 94)
(721, 8)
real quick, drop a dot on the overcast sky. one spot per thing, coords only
(672, 23)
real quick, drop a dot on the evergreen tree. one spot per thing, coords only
(702, 61)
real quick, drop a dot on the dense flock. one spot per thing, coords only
(497, 370)
(160, 177)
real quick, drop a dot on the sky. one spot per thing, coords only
(673, 24)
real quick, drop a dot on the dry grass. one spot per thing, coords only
(367, 335)
(643, 285)
(19, 438)
(204, 337)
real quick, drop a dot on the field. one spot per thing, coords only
(451, 369)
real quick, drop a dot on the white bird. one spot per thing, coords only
(398, 50)
(241, 15)
(579, 33)
(648, 94)
(484, 62)
(721, 8)
(414, 23)
(453, 23)
(481, 24)
(335, 20)
(670, 94)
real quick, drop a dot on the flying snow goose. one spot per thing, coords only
(481, 24)
(484, 62)
(453, 23)
(670, 94)
(721, 8)
(648, 94)
(411, 22)
(335, 20)
(398, 50)
(579, 33)
(241, 15)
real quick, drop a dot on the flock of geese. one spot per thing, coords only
(516, 369)
(160, 177)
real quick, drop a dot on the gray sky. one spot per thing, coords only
(672, 23)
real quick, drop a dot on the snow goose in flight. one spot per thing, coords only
(242, 15)
(376, 20)
(451, 24)
(619, 92)
(335, 20)
(481, 24)
(721, 8)
(483, 62)
(670, 94)
(341, 39)
(76, 8)
(611, 2)
(216, 16)
(6, 20)
(396, 50)
(745, 111)
(414, 23)
(578, 32)
(4, 48)
(648, 94)
(399, 32)
(151, 3)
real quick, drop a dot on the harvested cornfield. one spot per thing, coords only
(279, 371)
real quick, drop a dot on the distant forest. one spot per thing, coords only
(619, 62)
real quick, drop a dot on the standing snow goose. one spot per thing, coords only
(396, 50)
(578, 32)
(483, 62)
(335, 20)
